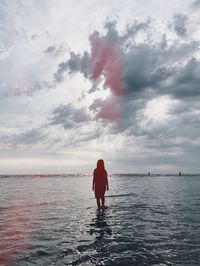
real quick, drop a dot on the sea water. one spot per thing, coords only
(149, 220)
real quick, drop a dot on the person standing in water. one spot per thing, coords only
(100, 183)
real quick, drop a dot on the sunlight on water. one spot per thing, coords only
(54, 221)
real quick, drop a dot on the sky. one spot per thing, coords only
(96, 79)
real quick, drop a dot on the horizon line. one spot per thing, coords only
(111, 174)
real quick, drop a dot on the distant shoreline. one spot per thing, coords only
(82, 175)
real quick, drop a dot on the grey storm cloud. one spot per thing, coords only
(146, 65)
(180, 24)
(69, 117)
(50, 49)
(82, 63)
(28, 137)
(144, 69)
(55, 50)
(186, 81)
(142, 103)
(154, 68)
(150, 69)
(187, 114)
(76, 63)
(195, 4)
(183, 125)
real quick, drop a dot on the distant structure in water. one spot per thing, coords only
(180, 174)
(149, 173)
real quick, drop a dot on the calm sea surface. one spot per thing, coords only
(53, 221)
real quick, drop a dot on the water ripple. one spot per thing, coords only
(54, 222)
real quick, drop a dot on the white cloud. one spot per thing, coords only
(154, 128)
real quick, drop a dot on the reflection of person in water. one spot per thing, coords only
(100, 227)
(100, 183)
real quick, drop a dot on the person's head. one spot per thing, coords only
(100, 165)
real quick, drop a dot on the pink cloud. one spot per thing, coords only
(108, 109)
(80, 116)
(106, 60)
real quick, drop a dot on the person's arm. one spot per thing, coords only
(93, 182)
(107, 181)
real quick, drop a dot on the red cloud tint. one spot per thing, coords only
(108, 109)
(106, 59)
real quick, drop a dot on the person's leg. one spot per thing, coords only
(98, 203)
(103, 201)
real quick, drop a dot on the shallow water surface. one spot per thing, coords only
(53, 221)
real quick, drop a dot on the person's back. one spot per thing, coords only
(100, 178)
(100, 183)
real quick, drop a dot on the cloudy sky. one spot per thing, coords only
(91, 79)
